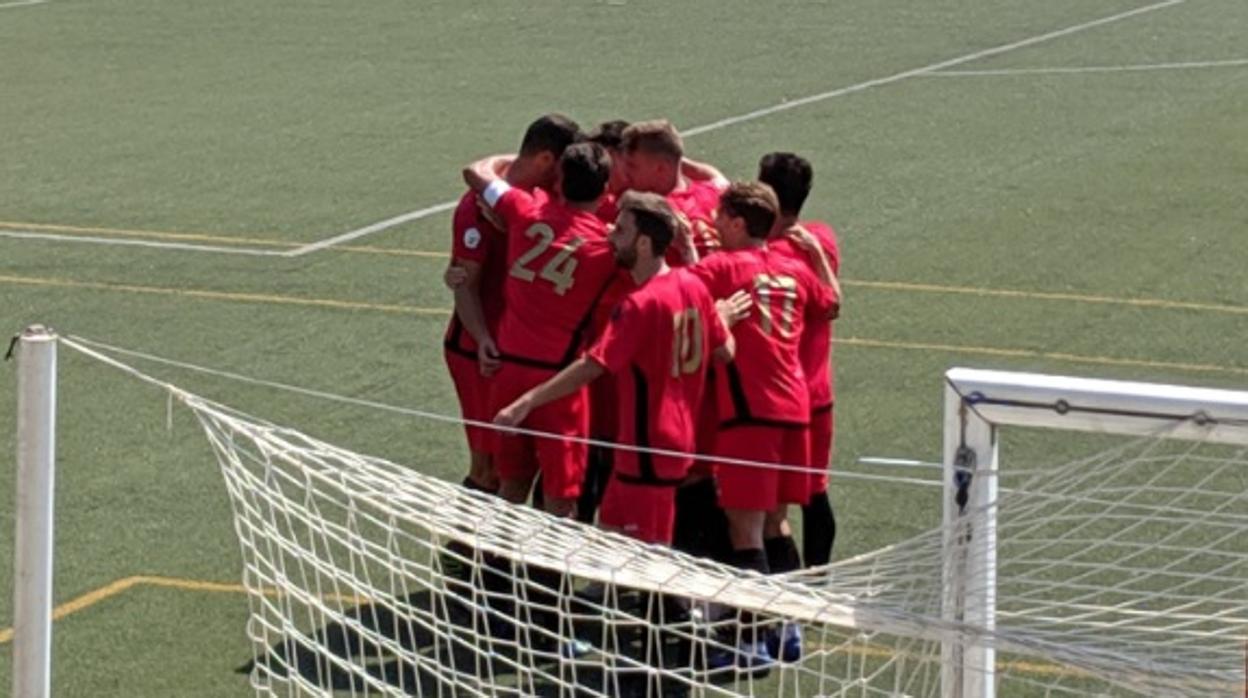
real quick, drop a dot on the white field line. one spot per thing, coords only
(785, 106)
(27, 235)
(1142, 67)
(695, 131)
(21, 3)
(370, 229)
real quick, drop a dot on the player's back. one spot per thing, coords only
(815, 346)
(765, 383)
(668, 376)
(696, 203)
(476, 239)
(558, 264)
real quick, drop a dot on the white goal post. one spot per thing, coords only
(360, 545)
(977, 404)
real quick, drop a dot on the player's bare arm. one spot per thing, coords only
(582, 372)
(454, 276)
(468, 309)
(481, 173)
(693, 169)
(684, 242)
(734, 308)
(806, 240)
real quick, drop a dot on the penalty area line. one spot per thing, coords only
(781, 107)
(1081, 70)
(21, 3)
(121, 586)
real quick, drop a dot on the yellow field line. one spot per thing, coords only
(222, 295)
(1048, 296)
(1095, 299)
(415, 310)
(1033, 354)
(204, 237)
(121, 586)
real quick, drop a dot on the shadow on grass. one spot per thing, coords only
(373, 649)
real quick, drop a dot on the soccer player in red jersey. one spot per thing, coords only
(654, 161)
(558, 264)
(478, 251)
(658, 343)
(763, 404)
(791, 176)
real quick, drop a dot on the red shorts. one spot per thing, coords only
(708, 425)
(644, 512)
(474, 400)
(561, 462)
(822, 429)
(604, 408)
(755, 488)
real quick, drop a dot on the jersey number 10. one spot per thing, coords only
(686, 342)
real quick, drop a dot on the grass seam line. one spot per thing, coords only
(446, 312)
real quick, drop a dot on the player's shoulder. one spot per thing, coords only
(821, 230)
(466, 209)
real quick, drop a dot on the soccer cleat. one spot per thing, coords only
(786, 645)
(753, 657)
(575, 648)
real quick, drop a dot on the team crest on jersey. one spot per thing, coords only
(472, 238)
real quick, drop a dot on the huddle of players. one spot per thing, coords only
(597, 280)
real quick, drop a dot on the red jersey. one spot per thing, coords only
(608, 208)
(475, 239)
(765, 383)
(696, 203)
(658, 346)
(558, 265)
(815, 347)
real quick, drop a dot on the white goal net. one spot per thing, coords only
(1120, 573)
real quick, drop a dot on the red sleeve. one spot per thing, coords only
(715, 329)
(620, 342)
(710, 272)
(822, 298)
(827, 240)
(470, 239)
(514, 207)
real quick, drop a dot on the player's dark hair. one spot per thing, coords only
(654, 218)
(790, 176)
(753, 201)
(551, 133)
(656, 137)
(586, 167)
(608, 134)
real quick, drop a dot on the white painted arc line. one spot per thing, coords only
(1092, 69)
(21, 3)
(372, 228)
(784, 106)
(24, 235)
(931, 68)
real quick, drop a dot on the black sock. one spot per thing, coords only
(751, 559)
(818, 530)
(470, 484)
(539, 494)
(701, 527)
(597, 473)
(782, 554)
(747, 628)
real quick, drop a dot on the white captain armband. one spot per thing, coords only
(495, 191)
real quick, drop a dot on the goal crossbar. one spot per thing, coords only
(977, 404)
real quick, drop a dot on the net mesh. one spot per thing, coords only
(1122, 573)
